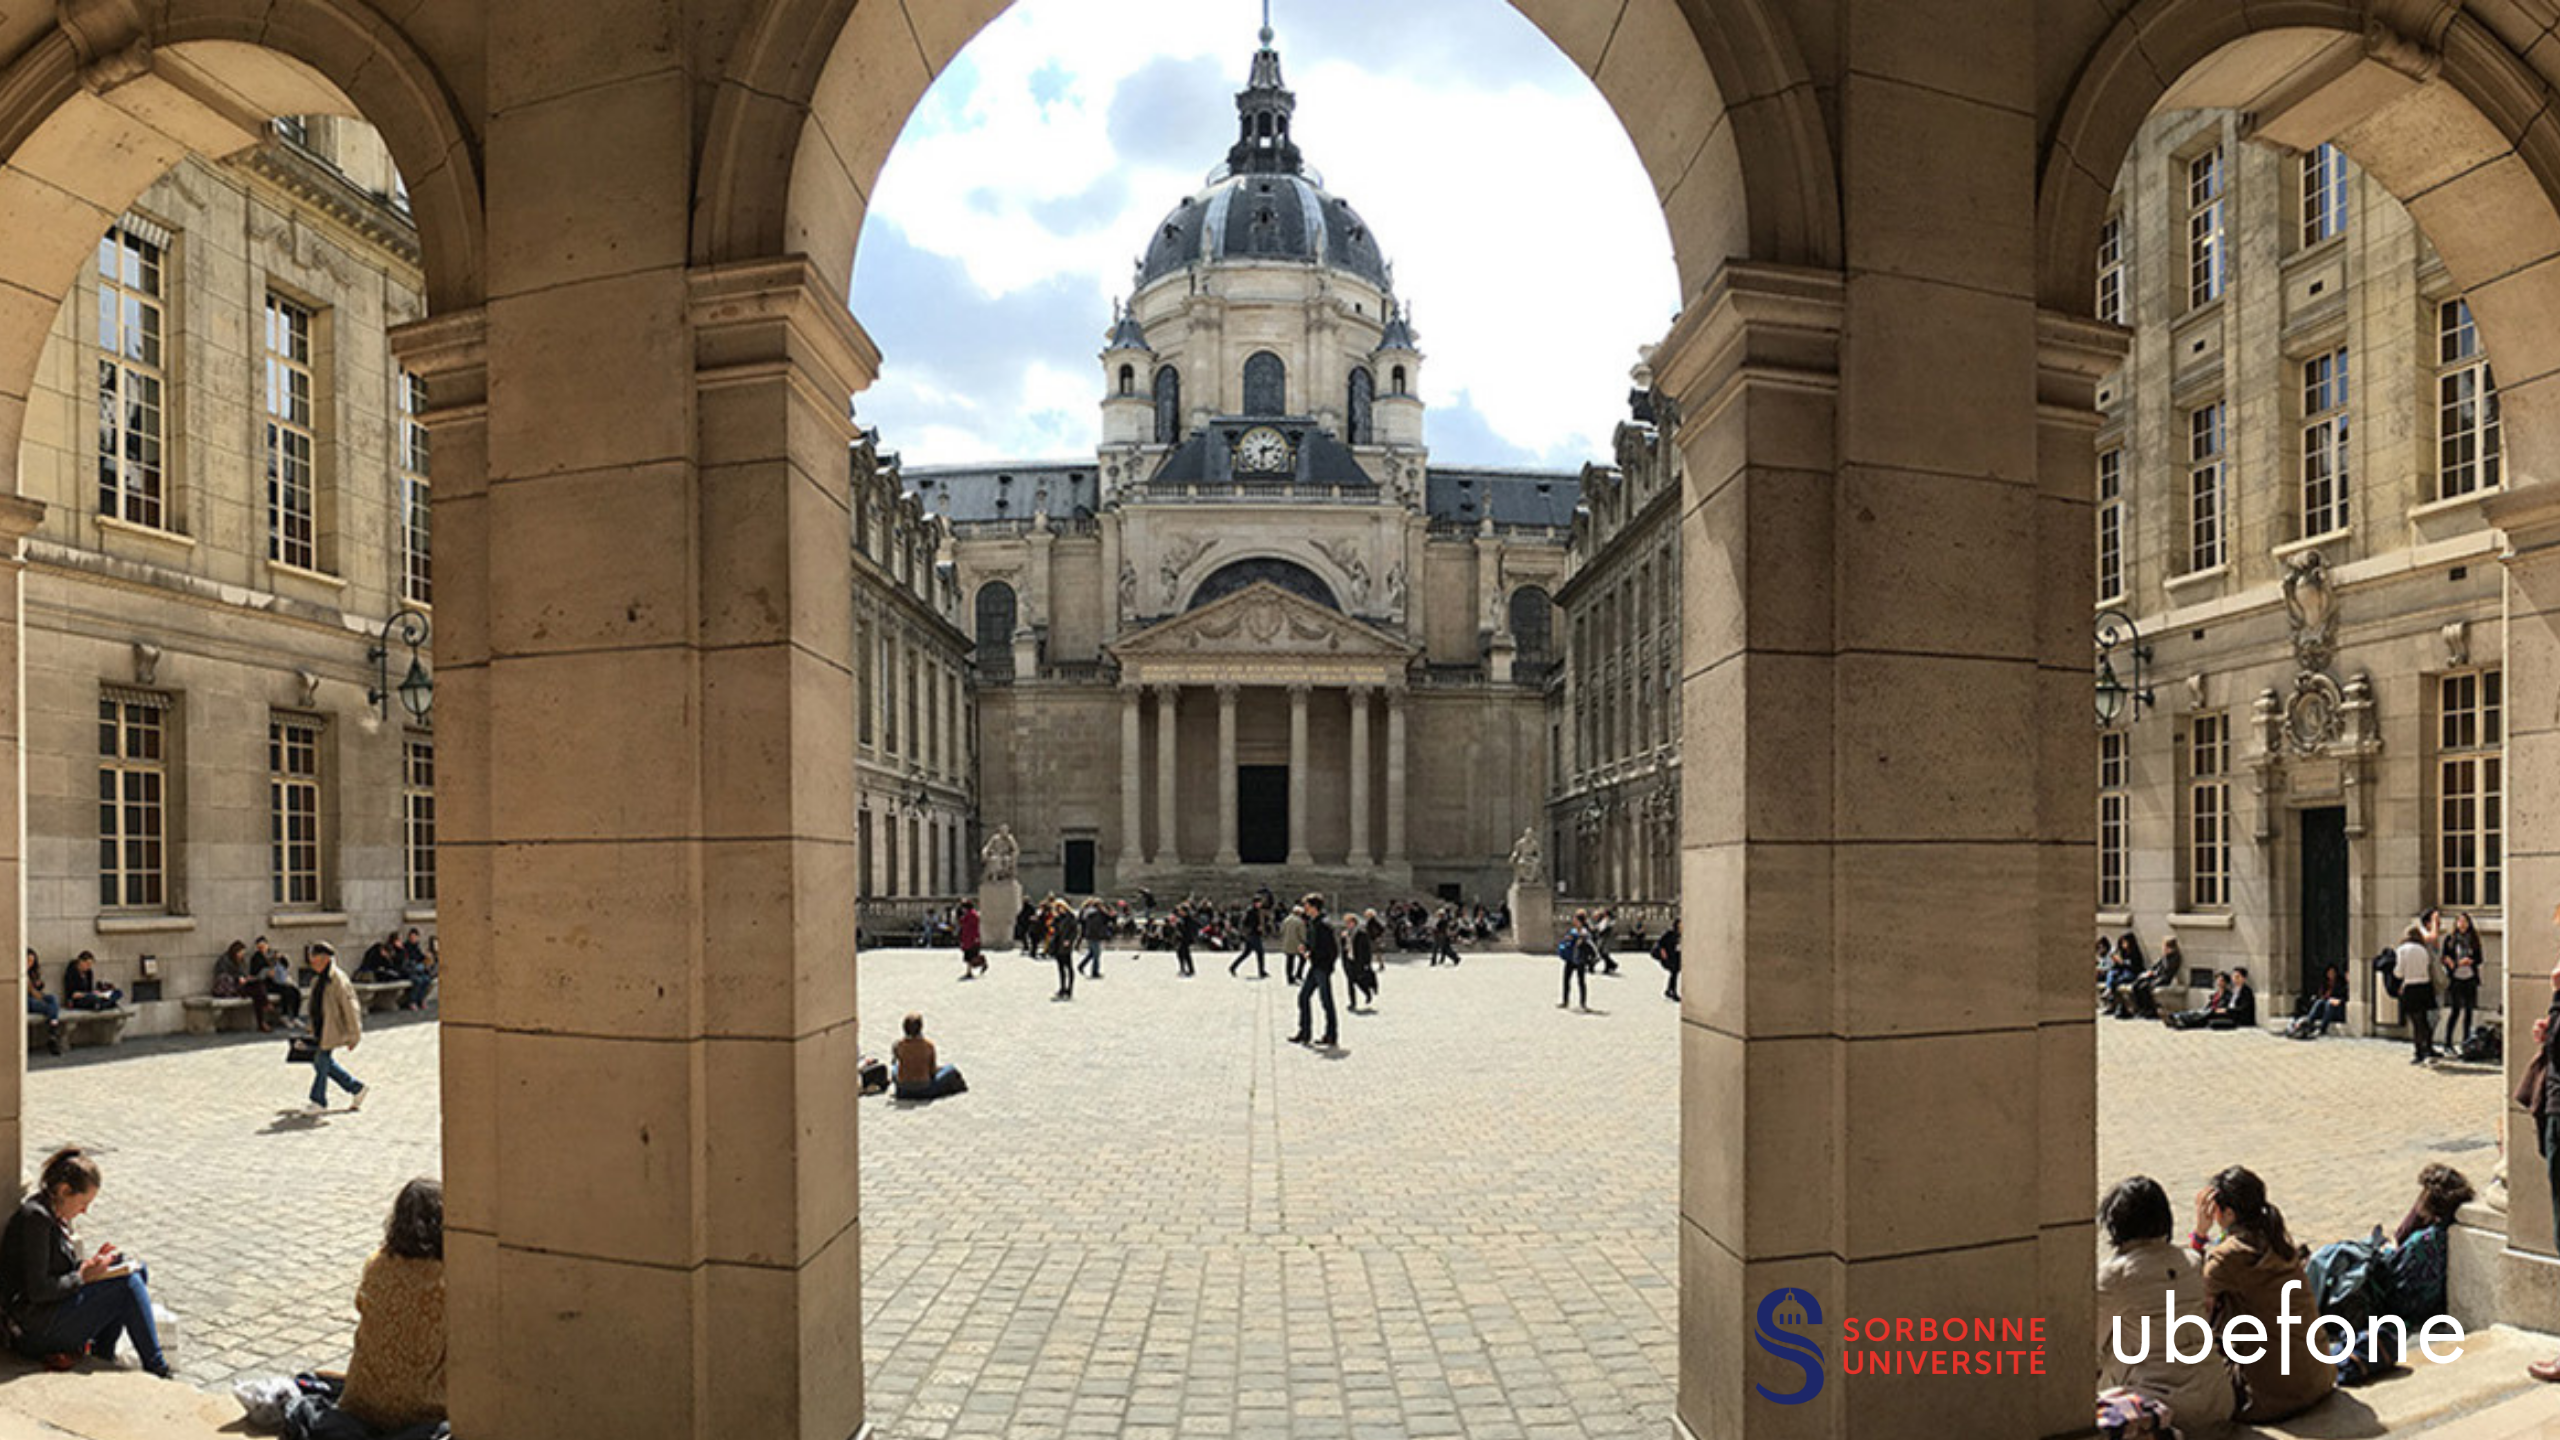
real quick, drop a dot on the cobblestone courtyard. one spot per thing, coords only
(1151, 1216)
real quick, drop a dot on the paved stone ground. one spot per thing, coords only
(1151, 1217)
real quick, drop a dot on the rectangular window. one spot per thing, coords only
(416, 575)
(889, 695)
(133, 790)
(2324, 195)
(293, 810)
(132, 383)
(2111, 525)
(862, 698)
(292, 500)
(2114, 842)
(2111, 291)
(2204, 487)
(2467, 454)
(2470, 790)
(2324, 443)
(2208, 812)
(2208, 255)
(418, 815)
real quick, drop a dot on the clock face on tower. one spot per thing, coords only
(1264, 451)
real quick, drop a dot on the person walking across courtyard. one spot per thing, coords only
(1667, 951)
(1057, 932)
(973, 955)
(1444, 937)
(1360, 960)
(1575, 951)
(1095, 926)
(1293, 942)
(1317, 936)
(337, 1023)
(1186, 933)
(1256, 920)
(2415, 965)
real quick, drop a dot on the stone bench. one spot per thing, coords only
(85, 1027)
(209, 1013)
(381, 994)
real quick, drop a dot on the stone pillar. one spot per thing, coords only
(1826, 725)
(646, 1162)
(1298, 852)
(1533, 916)
(1133, 777)
(19, 517)
(1361, 855)
(2527, 1276)
(1168, 819)
(1227, 855)
(1395, 778)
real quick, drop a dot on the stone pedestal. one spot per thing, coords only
(998, 902)
(1533, 917)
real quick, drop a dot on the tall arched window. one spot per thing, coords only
(1397, 383)
(1266, 384)
(1168, 405)
(1128, 379)
(995, 630)
(1364, 391)
(1532, 631)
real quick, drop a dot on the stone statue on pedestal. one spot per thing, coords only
(1001, 857)
(1528, 858)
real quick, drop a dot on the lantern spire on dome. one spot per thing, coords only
(1263, 109)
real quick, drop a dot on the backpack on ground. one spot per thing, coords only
(2485, 1045)
(2352, 1279)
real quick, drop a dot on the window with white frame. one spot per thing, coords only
(2468, 460)
(2208, 254)
(2114, 839)
(133, 798)
(2324, 194)
(2208, 811)
(293, 527)
(293, 810)
(2111, 525)
(418, 815)
(2205, 442)
(2324, 443)
(2111, 277)
(2470, 789)
(132, 379)
(416, 572)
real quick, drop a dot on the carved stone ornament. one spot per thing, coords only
(1179, 557)
(1001, 857)
(2457, 643)
(2314, 718)
(146, 663)
(2312, 607)
(1528, 858)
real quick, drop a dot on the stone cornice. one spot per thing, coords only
(757, 312)
(315, 182)
(1754, 324)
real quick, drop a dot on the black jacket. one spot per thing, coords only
(38, 1268)
(1097, 926)
(2244, 1006)
(1321, 948)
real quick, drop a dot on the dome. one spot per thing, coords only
(1262, 216)
(1264, 204)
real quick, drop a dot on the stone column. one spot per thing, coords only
(1298, 852)
(1361, 855)
(1168, 820)
(1133, 777)
(1227, 855)
(2527, 1290)
(1395, 778)
(19, 517)
(1818, 1078)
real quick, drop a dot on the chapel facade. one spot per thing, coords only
(1260, 636)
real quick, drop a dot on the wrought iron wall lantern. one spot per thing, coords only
(417, 689)
(2117, 636)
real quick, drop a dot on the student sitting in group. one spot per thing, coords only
(58, 1304)
(395, 1379)
(82, 989)
(39, 1003)
(2242, 1011)
(2142, 1279)
(2247, 1274)
(2326, 1007)
(2216, 1005)
(918, 1076)
(2403, 1278)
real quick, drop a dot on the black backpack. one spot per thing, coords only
(2386, 967)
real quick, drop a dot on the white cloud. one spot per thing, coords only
(1519, 220)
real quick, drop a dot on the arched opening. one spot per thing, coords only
(1266, 384)
(1289, 575)
(996, 620)
(1532, 616)
(1398, 384)
(1168, 405)
(1128, 379)
(1360, 408)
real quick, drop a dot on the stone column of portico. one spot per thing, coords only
(1299, 854)
(1865, 583)
(1360, 852)
(18, 518)
(1227, 853)
(1396, 857)
(1133, 810)
(652, 1221)
(1168, 835)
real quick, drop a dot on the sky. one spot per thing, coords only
(1523, 232)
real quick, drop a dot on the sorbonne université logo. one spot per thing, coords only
(1780, 1309)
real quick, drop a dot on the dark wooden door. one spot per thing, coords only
(1262, 814)
(1079, 867)
(2324, 892)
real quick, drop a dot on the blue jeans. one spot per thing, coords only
(1093, 958)
(420, 982)
(95, 1316)
(946, 1081)
(46, 1006)
(325, 1068)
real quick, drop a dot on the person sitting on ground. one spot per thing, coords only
(2142, 1274)
(58, 1304)
(2242, 1011)
(2419, 1246)
(2326, 1007)
(394, 1388)
(2115, 984)
(39, 1003)
(2214, 1005)
(2247, 1274)
(918, 1077)
(2146, 986)
(84, 989)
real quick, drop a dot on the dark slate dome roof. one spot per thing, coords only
(1264, 217)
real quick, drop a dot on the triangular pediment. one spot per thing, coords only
(1264, 620)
